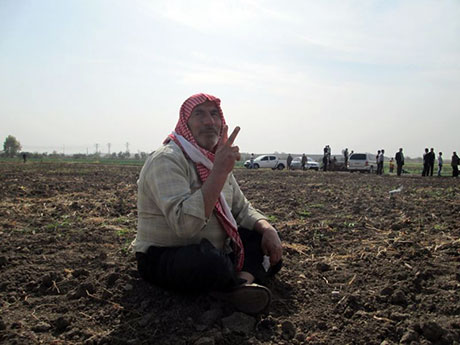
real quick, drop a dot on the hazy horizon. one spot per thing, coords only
(365, 75)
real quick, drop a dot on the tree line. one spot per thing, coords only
(12, 148)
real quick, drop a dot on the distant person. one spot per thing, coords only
(426, 164)
(377, 162)
(440, 161)
(345, 157)
(303, 161)
(392, 165)
(24, 157)
(251, 161)
(325, 158)
(289, 161)
(431, 159)
(381, 160)
(399, 157)
(454, 163)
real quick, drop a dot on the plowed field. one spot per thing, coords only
(361, 266)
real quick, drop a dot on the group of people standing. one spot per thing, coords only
(380, 158)
(428, 162)
(429, 159)
(326, 157)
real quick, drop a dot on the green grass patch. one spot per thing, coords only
(272, 219)
(439, 227)
(304, 213)
(121, 220)
(316, 206)
(122, 232)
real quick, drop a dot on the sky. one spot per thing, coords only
(295, 75)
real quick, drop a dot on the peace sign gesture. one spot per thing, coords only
(226, 153)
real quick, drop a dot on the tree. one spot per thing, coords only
(11, 146)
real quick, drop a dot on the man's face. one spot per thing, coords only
(205, 124)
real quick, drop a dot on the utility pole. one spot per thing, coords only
(108, 147)
(127, 147)
(97, 147)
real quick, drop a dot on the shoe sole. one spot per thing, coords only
(248, 298)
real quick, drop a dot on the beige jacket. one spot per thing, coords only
(171, 208)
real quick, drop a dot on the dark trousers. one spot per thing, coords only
(426, 167)
(202, 267)
(399, 169)
(455, 170)
(430, 169)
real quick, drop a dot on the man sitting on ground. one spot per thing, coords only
(196, 230)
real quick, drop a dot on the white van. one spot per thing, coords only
(364, 162)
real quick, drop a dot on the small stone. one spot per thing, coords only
(41, 327)
(205, 341)
(82, 291)
(399, 316)
(408, 337)
(146, 319)
(323, 267)
(2, 325)
(47, 280)
(16, 325)
(288, 329)
(3, 261)
(61, 323)
(387, 291)
(239, 323)
(80, 272)
(106, 294)
(112, 278)
(128, 287)
(200, 328)
(399, 298)
(432, 331)
(321, 325)
(300, 337)
(386, 342)
(335, 295)
(209, 317)
(266, 328)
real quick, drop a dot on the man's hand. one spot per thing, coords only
(224, 161)
(271, 243)
(226, 154)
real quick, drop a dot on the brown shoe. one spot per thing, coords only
(247, 298)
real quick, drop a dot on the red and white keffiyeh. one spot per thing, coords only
(204, 165)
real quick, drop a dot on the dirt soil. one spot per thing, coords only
(361, 267)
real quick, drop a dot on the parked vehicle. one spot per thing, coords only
(364, 162)
(337, 164)
(310, 164)
(266, 161)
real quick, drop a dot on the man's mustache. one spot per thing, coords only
(210, 130)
